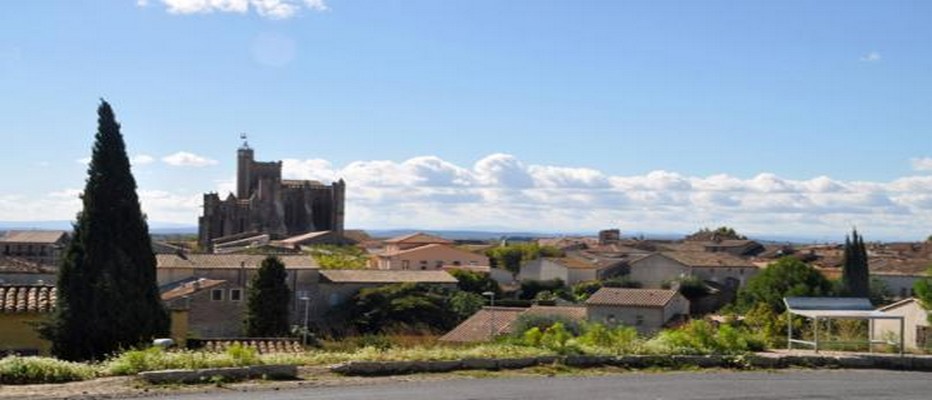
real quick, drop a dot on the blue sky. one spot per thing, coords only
(791, 117)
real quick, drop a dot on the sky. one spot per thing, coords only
(774, 117)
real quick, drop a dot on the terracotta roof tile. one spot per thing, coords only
(418, 238)
(189, 288)
(14, 265)
(577, 313)
(631, 297)
(706, 260)
(229, 261)
(385, 276)
(27, 298)
(476, 328)
(32, 236)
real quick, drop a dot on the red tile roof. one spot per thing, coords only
(631, 297)
(385, 276)
(418, 238)
(190, 288)
(43, 237)
(27, 298)
(477, 327)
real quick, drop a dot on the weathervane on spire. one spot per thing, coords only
(245, 143)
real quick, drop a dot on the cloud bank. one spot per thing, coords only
(500, 191)
(272, 9)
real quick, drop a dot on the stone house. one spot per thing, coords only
(21, 307)
(433, 256)
(647, 310)
(237, 270)
(917, 331)
(657, 269)
(406, 242)
(41, 247)
(571, 269)
(206, 308)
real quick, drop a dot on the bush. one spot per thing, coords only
(31, 370)
(622, 282)
(614, 340)
(701, 337)
(543, 322)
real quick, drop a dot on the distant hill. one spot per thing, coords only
(169, 228)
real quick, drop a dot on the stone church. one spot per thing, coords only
(267, 204)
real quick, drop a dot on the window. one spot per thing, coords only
(236, 294)
(457, 263)
(216, 295)
(405, 265)
(741, 271)
(439, 264)
(639, 320)
(610, 319)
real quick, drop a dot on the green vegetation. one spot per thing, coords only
(154, 358)
(923, 290)
(107, 295)
(855, 276)
(720, 233)
(475, 282)
(532, 289)
(267, 300)
(27, 370)
(511, 257)
(692, 287)
(786, 277)
(339, 257)
(410, 307)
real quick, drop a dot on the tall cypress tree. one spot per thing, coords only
(107, 294)
(855, 274)
(267, 300)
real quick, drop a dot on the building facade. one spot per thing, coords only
(265, 203)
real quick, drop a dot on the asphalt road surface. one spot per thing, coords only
(801, 384)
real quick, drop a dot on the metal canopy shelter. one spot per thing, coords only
(828, 308)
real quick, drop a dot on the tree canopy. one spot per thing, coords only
(410, 306)
(787, 277)
(855, 275)
(267, 300)
(923, 291)
(510, 257)
(107, 299)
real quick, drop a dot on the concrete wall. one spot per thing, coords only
(18, 333)
(645, 319)
(655, 270)
(915, 316)
(722, 274)
(576, 275)
(542, 269)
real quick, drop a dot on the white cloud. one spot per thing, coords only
(871, 57)
(922, 164)
(84, 160)
(185, 159)
(502, 192)
(272, 9)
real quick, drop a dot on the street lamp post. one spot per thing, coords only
(491, 296)
(307, 303)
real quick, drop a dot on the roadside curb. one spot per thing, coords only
(231, 374)
(746, 361)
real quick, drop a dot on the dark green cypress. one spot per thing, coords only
(855, 272)
(267, 301)
(108, 299)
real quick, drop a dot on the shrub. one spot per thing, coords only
(615, 340)
(32, 370)
(543, 322)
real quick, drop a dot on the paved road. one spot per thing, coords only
(657, 386)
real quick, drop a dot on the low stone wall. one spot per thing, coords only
(749, 361)
(223, 374)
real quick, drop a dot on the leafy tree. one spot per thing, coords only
(408, 305)
(923, 291)
(511, 257)
(692, 287)
(855, 275)
(330, 256)
(530, 288)
(267, 300)
(583, 290)
(476, 282)
(622, 282)
(107, 294)
(787, 277)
